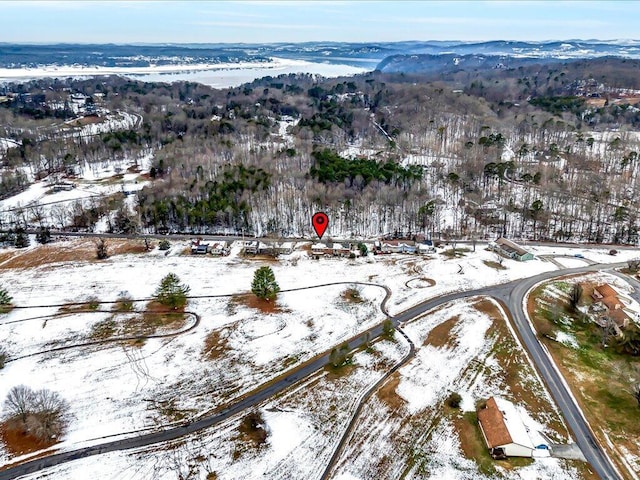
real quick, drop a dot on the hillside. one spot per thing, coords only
(543, 151)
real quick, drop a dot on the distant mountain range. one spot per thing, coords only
(386, 56)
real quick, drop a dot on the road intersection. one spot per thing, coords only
(512, 295)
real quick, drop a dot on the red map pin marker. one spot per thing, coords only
(320, 223)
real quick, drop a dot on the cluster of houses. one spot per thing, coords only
(334, 250)
(384, 247)
(198, 247)
(380, 247)
(74, 102)
(253, 247)
(329, 249)
(272, 249)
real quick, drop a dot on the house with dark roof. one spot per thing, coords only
(510, 249)
(199, 248)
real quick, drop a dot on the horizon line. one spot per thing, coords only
(363, 42)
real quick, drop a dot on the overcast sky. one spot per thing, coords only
(300, 21)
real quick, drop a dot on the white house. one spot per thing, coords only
(285, 248)
(503, 430)
(318, 249)
(424, 249)
(340, 250)
(219, 248)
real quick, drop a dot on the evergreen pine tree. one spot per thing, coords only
(171, 292)
(264, 284)
(44, 235)
(22, 239)
(5, 298)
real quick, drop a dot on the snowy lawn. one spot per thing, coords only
(303, 426)
(598, 255)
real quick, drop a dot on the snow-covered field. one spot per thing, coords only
(304, 424)
(119, 388)
(598, 255)
(114, 122)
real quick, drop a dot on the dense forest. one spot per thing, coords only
(544, 151)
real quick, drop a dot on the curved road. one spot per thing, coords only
(555, 382)
(512, 294)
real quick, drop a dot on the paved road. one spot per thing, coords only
(512, 294)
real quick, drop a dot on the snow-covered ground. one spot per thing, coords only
(93, 181)
(304, 424)
(7, 143)
(412, 434)
(598, 255)
(110, 387)
(571, 262)
(113, 122)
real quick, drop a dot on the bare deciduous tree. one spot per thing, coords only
(42, 412)
(19, 402)
(47, 420)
